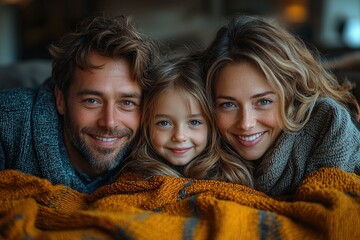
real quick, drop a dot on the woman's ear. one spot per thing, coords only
(59, 100)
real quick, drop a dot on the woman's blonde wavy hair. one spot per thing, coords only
(292, 70)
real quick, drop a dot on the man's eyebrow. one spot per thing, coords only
(98, 93)
(131, 95)
(88, 92)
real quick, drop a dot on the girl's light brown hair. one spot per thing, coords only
(184, 76)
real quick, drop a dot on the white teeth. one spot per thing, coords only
(251, 138)
(105, 139)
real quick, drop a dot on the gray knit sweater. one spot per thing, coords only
(31, 139)
(329, 139)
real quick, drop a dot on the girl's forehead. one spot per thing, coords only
(176, 99)
(181, 94)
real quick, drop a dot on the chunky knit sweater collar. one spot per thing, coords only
(329, 139)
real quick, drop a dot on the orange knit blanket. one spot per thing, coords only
(326, 206)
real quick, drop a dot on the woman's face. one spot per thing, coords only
(247, 109)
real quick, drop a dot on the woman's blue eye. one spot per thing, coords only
(227, 105)
(265, 101)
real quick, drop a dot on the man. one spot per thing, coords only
(77, 127)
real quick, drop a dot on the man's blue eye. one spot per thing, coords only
(128, 103)
(91, 101)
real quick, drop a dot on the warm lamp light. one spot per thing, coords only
(14, 2)
(296, 13)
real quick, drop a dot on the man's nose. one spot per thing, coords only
(109, 116)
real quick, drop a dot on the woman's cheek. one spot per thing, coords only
(223, 122)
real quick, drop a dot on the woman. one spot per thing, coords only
(277, 107)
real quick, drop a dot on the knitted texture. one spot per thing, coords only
(325, 206)
(31, 138)
(329, 139)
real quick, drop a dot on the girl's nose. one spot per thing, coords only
(179, 135)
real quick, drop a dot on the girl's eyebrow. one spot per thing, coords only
(196, 115)
(161, 116)
(168, 116)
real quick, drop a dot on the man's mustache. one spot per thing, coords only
(119, 133)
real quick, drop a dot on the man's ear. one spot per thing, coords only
(60, 100)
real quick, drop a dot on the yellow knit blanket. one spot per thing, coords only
(326, 206)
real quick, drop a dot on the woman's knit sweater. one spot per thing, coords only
(329, 139)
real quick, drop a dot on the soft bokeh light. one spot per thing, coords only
(296, 13)
(351, 33)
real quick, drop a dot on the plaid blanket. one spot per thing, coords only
(325, 206)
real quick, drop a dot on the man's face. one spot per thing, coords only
(101, 115)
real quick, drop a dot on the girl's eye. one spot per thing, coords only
(163, 123)
(195, 122)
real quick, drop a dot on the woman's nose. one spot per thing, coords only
(247, 119)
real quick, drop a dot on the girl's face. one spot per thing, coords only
(247, 110)
(179, 131)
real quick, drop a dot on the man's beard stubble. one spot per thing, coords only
(103, 159)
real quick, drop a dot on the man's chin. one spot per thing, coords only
(104, 161)
(107, 159)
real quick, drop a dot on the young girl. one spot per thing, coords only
(277, 107)
(179, 137)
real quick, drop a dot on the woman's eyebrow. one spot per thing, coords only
(226, 97)
(263, 94)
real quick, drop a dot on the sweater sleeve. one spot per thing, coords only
(338, 139)
(2, 158)
(15, 127)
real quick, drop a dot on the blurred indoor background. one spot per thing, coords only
(27, 27)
